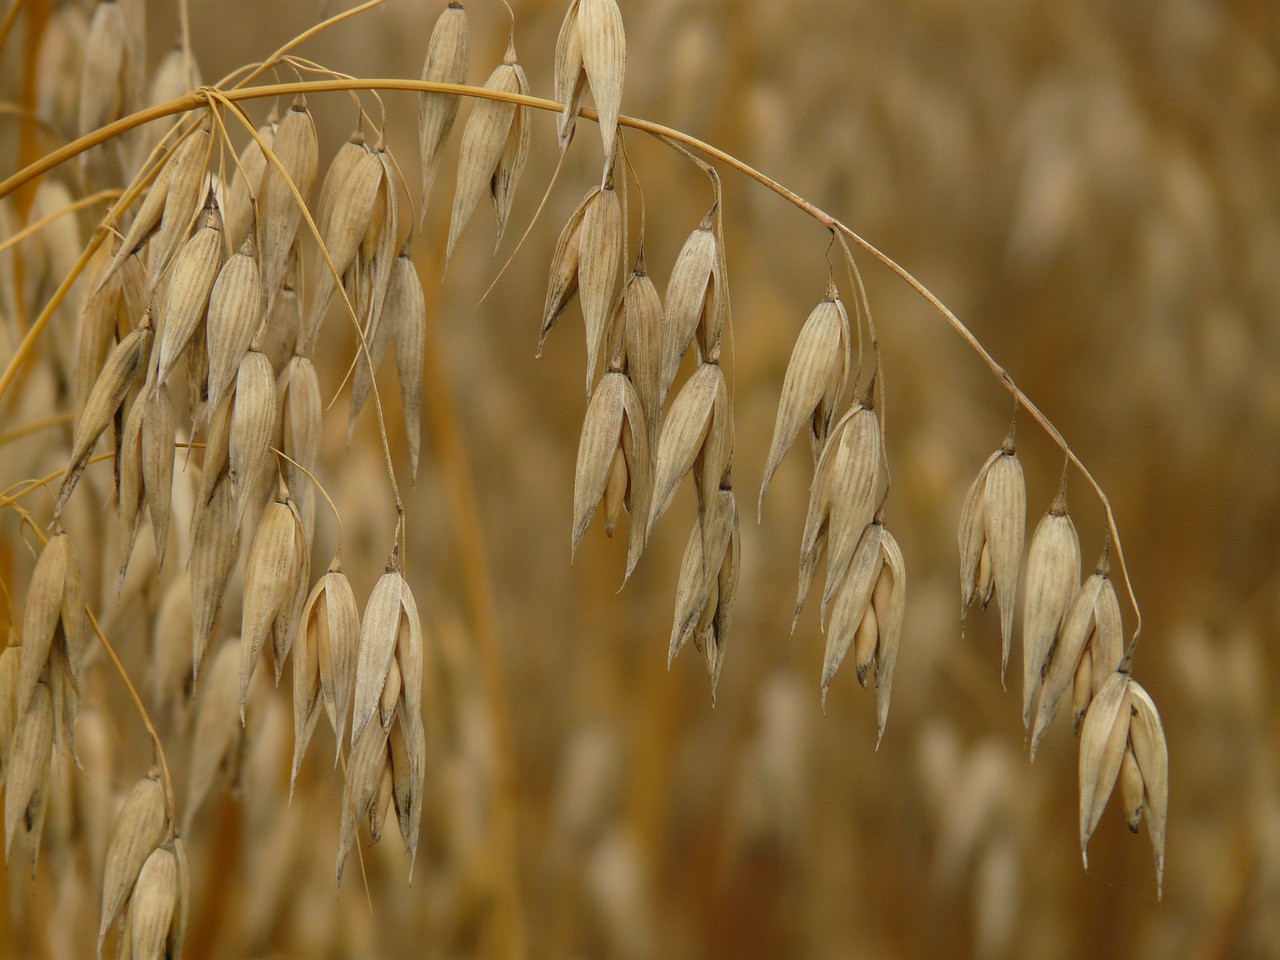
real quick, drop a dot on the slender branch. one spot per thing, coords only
(194, 98)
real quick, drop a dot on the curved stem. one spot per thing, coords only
(194, 98)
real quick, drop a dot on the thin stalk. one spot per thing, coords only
(195, 98)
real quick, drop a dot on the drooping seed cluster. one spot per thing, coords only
(1072, 638)
(200, 331)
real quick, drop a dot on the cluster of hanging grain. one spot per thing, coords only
(1073, 638)
(865, 589)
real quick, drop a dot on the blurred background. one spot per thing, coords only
(1093, 188)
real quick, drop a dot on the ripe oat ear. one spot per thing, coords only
(446, 62)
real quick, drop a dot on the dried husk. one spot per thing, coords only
(1103, 740)
(238, 213)
(236, 305)
(692, 290)
(139, 829)
(814, 381)
(152, 907)
(446, 62)
(184, 191)
(331, 620)
(570, 78)
(1150, 750)
(1053, 578)
(277, 563)
(390, 611)
(601, 240)
(122, 371)
(280, 211)
(604, 60)
(688, 426)
(562, 283)
(194, 271)
(410, 312)
(369, 754)
(347, 202)
(889, 599)
(253, 424)
(27, 772)
(54, 616)
(495, 143)
(642, 335)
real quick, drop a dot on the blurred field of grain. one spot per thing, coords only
(1093, 187)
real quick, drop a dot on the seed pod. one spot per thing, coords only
(1103, 740)
(98, 323)
(604, 60)
(693, 290)
(570, 78)
(446, 62)
(157, 463)
(277, 561)
(215, 546)
(369, 754)
(562, 284)
(1147, 740)
(347, 202)
(390, 612)
(185, 190)
(253, 424)
(407, 742)
(889, 598)
(246, 184)
(331, 622)
(643, 341)
(601, 240)
(852, 600)
(1094, 614)
(55, 599)
(842, 500)
(194, 271)
(408, 305)
(1053, 578)
(382, 330)
(154, 902)
(280, 210)
(120, 373)
(235, 313)
(139, 829)
(690, 423)
(495, 143)
(27, 772)
(814, 382)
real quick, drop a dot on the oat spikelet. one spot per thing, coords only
(992, 530)
(253, 424)
(54, 617)
(613, 464)
(604, 60)
(693, 290)
(276, 568)
(813, 384)
(708, 585)
(562, 284)
(642, 335)
(139, 828)
(446, 62)
(495, 143)
(185, 189)
(601, 241)
(686, 431)
(296, 148)
(408, 306)
(27, 774)
(390, 612)
(246, 186)
(570, 78)
(404, 294)
(123, 369)
(331, 620)
(236, 304)
(369, 754)
(1151, 753)
(1103, 741)
(194, 271)
(1053, 578)
(1093, 618)
(153, 905)
(104, 78)
(218, 734)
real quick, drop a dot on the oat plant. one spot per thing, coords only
(191, 341)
